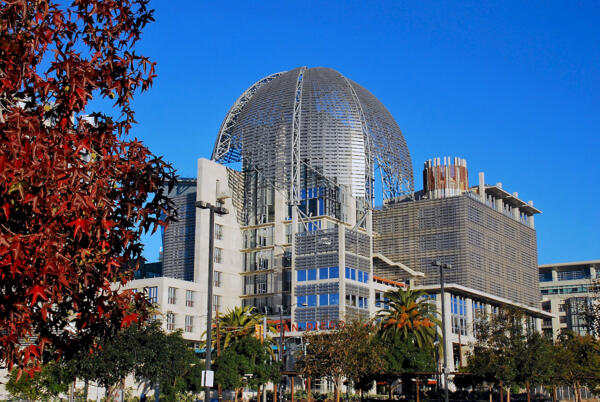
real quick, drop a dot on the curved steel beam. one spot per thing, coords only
(226, 148)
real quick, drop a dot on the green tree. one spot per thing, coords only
(46, 384)
(349, 352)
(237, 323)
(579, 362)
(404, 357)
(410, 314)
(536, 365)
(144, 351)
(246, 361)
(499, 350)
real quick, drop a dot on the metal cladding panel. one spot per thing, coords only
(489, 251)
(331, 135)
(343, 130)
(389, 148)
(264, 127)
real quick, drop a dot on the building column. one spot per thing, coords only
(342, 270)
(449, 335)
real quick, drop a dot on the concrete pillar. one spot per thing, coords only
(342, 271)
(516, 211)
(499, 204)
(469, 306)
(449, 334)
(530, 221)
(482, 187)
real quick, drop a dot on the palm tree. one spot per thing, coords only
(410, 314)
(237, 323)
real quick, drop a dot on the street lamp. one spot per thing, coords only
(443, 266)
(211, 245)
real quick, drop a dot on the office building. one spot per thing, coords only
(179, 237)
(484, 232)
(567, 291)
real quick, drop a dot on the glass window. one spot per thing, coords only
(347, 272)
(334, 299)
(189, 323)
(216, 302)
(360, 276)
(311, 300)
(366, 277)
(218, 231)
(189, 298)
(323, 273)
(312, 274)
(218, 255)
(301, 275)
(152, 294)
(172, 295)
(170, 321)
(334, 272)
(217, 279)
(301, 301)
(353, 274)
(323, 300)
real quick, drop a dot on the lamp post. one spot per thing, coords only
(211, 244)
(443, 266)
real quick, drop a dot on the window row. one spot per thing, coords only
(325, 299)
(303, 275)
(189, 322)
(357, 275)
(357, 301)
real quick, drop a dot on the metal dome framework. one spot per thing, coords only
(318, 118)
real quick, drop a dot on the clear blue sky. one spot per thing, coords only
(513, 87)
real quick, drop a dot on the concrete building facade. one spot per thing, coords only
(486, 234)
(567, 288)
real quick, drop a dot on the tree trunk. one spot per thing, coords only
(554, 396)
(85, 390)
(491, 392)
(337, 392)
(258, 394)
(235, 393)
(508, 394)
(389, 384)
(501, 392)
(577, 390)
(528, 391)
(274, 392)
(308, 389)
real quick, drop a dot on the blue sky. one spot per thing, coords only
(513, 87)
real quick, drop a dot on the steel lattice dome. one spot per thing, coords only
(317, 117)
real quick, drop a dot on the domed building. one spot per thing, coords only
(315, 118)
(296, 162)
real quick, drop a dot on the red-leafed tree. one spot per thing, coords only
(75, 193)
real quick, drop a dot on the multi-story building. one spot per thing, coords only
(567, 292)
(307, 143)
(295, 163)
(484, 232)
(179, 237)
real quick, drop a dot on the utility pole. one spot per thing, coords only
(209, 305)
(443, 266)
(219, 390)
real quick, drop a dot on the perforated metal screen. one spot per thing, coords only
(343, 131)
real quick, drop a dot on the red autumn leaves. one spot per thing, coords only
(75, 194)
